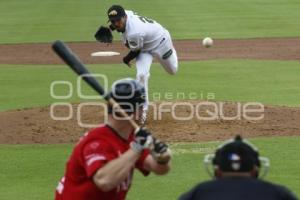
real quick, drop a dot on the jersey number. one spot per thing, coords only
(144, 19)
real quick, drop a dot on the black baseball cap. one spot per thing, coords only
(237, 155)
(115, 12)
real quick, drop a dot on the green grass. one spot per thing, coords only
(31, 171)
(43, 165)
(269, 82)
(48, 20)
(29, 86)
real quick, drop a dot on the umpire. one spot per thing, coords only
(236, 169)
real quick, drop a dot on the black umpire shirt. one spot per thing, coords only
(238, 188)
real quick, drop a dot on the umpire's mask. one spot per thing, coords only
(237, 155)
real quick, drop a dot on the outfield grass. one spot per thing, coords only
(48, 20)
(269, 82)
(29, 171)
(32, 171)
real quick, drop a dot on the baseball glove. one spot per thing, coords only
(104, 35)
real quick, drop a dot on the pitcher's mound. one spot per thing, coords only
(194, 122)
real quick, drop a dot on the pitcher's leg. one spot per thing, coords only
(167, 55)
(171, 63)
(143, 64)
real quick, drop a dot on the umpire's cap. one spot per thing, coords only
(129, 93)
(237, 155)
(115, 12)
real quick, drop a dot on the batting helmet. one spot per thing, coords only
(237, 155)
(129, 93)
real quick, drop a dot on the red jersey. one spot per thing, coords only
(93, 151)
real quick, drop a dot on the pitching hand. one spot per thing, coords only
(126, 61)
(130, 56)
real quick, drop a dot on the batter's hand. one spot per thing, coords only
(161, 152)
(143, 140)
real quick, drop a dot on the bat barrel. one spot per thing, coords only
(66, 54)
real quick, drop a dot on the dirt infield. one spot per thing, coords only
(267, 49)
(36, 126)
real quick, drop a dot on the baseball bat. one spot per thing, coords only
(70, 58)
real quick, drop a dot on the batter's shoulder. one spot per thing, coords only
(99, 132)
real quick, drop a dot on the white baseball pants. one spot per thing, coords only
(165, 53)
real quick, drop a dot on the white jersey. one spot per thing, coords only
(142, 33)
(154, 41)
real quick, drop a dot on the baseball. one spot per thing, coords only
(207, 42)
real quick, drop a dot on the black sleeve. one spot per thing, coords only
(127, 44)
(130, 56)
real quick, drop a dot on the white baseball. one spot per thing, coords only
(207, 42)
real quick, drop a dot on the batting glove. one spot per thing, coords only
(160, 152)
(143, 140)
(159, 147)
